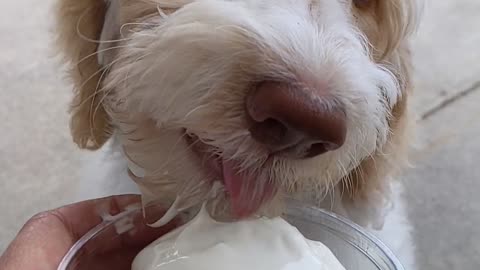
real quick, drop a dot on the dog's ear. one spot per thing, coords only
(79, 26)
(396, 20)
(386, 23)
(86, 34)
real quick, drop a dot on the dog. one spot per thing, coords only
(274, 98)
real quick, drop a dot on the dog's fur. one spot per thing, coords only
(150, 71)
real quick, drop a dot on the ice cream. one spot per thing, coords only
(263, 244)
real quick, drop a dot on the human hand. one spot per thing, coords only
(46, 237)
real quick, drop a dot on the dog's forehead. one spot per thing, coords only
(263, 10)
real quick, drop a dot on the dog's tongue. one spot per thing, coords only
(247, 193)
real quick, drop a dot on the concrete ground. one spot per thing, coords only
(38, 162)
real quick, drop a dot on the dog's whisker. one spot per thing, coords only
(122, 28)
(85, 38)
(98, 52)
(92, 76)
(93, 96)
(100, 103)
(161, 13)
(127, 75)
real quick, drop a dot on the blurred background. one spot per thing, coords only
(39, 164)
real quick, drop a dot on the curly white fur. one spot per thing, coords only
(192, 69)
(187, 66)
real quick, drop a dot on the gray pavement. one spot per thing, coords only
(39, 165)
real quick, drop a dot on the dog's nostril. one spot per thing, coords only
(270, 131)
(294, 119)
(320, 148)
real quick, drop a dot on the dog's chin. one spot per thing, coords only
(247, 190)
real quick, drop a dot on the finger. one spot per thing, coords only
(137, 235)
(45, 238)
(79, 218)
(82, 217)
(118, 260)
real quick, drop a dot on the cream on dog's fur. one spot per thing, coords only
(152, 71)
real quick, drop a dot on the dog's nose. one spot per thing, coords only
(295, 121)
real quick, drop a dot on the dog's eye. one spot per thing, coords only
(363, 4)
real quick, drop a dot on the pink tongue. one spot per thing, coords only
(247, 193)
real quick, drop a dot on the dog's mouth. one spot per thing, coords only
(247, 191)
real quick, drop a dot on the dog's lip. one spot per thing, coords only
(209, 160)
(242, 188)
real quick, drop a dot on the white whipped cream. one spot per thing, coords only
(263, 244)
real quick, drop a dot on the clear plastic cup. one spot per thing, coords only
(355, 248)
